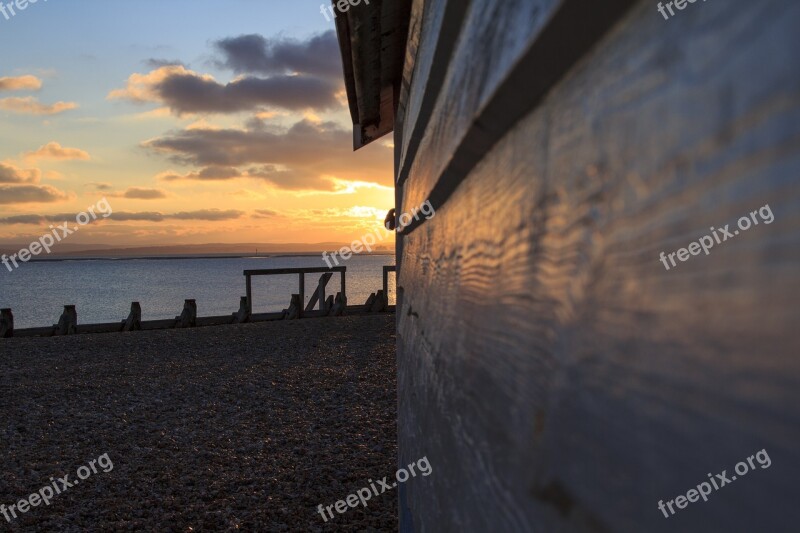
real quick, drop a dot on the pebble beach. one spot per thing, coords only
(232, 428)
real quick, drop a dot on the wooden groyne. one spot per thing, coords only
(319, 305)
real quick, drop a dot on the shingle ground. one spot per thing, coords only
(247, 427)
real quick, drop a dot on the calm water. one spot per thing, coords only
(103, 289)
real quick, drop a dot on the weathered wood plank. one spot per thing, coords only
(436, 25)
(319, 294)
(554, 373)
(6, 323)
(489, 86)
(280, 271)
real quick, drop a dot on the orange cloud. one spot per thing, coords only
(308, 156)
(206, 174)
(31, 106)
(139, 193)
(265, 213)
(20, 83)
(28, 194)
(54, 151)
(12, 174)
(100, 186)
(143, 88)
(207, 215)
(187, 92)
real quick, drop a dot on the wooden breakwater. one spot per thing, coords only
(318, 306)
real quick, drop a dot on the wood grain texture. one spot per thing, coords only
(434, 30)
(554, 374)
(491, 37)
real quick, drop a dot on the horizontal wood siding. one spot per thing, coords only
(556, 376)
(468, 74)
(434, 30)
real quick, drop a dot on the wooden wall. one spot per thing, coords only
(556, 376)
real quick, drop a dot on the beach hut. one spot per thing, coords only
(557, 373)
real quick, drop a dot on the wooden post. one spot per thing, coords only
(68, 322)
(339, 305)
(295, 308)
(319, 293)
(344, 292)
(134, 321)
(6, 324)
(188, 318)
(243, 315)
(249, 294)
(321, 289)
(302, 294)
(386, 271)
(379, 304)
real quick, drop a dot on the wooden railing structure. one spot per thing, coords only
(319, 305)
(325, 306)
(386, 270)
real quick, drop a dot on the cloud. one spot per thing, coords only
(38, 219)
(255, 54)
(307, 156)
(31, 106)
(280, 178)
(54, 151)
(211, 215)
(158, 63)
(208, 215)
(185, 91)
(151, 216)
(23, 194)
(138, 193)
(207, 174)
(142, 88)
(236, 147)
(296, 180)
(11, 174)
(20, 83)
(265, 213)
(24, 219)
(100, 186)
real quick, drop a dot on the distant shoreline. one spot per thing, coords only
(180, 257)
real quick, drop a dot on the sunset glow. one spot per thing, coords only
(217, 116)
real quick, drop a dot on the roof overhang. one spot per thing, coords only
(372, 39)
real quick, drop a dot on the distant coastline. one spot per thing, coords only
(90, 252)
(182, 257)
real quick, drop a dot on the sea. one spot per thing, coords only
(103, 288)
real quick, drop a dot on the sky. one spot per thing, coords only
(198, 121)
